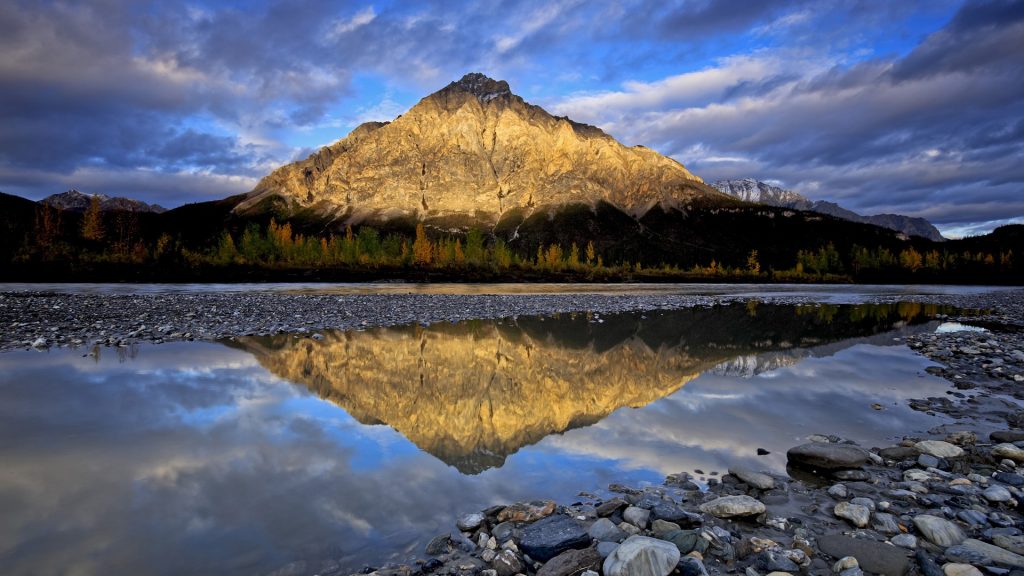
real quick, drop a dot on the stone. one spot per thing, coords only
(962, 438)
(939, 531)
(606, 548)
(1007, 436)
(952, 569)
(571, 563)
(1010, 479)
(756, 479)
(659, 527)
(438, 545)
(1013, 543)
(988, 553)
(856, 514)
(845, 563)
(1010, 451)
(928, 461)
(838, 491)
(503, 531)
(865, 502)
(827, 456)
(611, 507)
(470, 522)
(687, 541)
(875, 557)
(691, 566)
(673, 513)
(550, 536)
(997, 494)
(775, 561)
(629, 528)
(851, 475)
(939, 449)
(908, 541)
(636, 516)
(885, 523)
(527, 511)
(733, 506)
(899, 453)
(507, 563)
(605, 530)
(642, 556)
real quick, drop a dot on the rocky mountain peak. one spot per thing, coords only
(76, 201)
(482, 86)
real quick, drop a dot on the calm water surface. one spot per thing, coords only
(304, 456)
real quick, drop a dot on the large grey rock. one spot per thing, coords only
(774, 561)
(636, 516)
(642, 556)
(686, 541)
(872, 556)
(939, 531)
(997, 494)
(549, 537)
(953, 569)
(1007, 436)
(827, 456)
(604, 530)
(939, 449)
(981, 553)
(1010, 451)
(755, 479)
(1013, 543)
(857, 515)
(733, 506)
(572, 563)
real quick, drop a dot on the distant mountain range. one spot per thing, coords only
(76, 201)
(750, 190)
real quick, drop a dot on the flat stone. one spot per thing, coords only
(527, 511)
(642, 556)
(549, 537)
(827, 456)
(604, 530)
(470, 522)
(572, 563)
(659, 527)
(872, 556)
(856, 514)
(939, 449)
(908, 541)
(991, 554)
(610, 507)
(671, 512)
(1013, 543)
(952, 569)
(1010, 451)
(733, 506)
(997, 494)
(755, 479)
(687, 541)
(774, 561)
(899, 453)
(939, 531)
(885, 523)
(606, 548)
(838, 491)
(1007, 436)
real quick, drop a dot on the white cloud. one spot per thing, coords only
(343, 26)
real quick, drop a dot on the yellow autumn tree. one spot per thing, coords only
(92, 222)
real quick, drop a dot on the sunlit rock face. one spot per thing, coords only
(472, 152)
(473, 393)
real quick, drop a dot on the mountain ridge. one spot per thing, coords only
(475, 149)
(76, 201)
(751, 190)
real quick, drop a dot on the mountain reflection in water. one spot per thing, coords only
(291, 455)
(475, 392)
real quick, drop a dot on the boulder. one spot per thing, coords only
(642, 556)
(981, 553)
(733, 506)
(1010, 451)
(939, 531)
(755, 479)
(469, 522)
(827, 456)
(939, 449)
(527, 511)
(604, 530)
(856, 514)
(549, 537)
(507, 563)
(572, 563)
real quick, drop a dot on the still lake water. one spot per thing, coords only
(304, 456)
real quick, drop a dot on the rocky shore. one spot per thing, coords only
(948, 503)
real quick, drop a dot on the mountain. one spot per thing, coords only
(750, 190)
(474, 152)
(76, 201)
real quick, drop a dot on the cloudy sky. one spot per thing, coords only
(908, 107)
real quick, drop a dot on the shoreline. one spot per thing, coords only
(951, 497)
